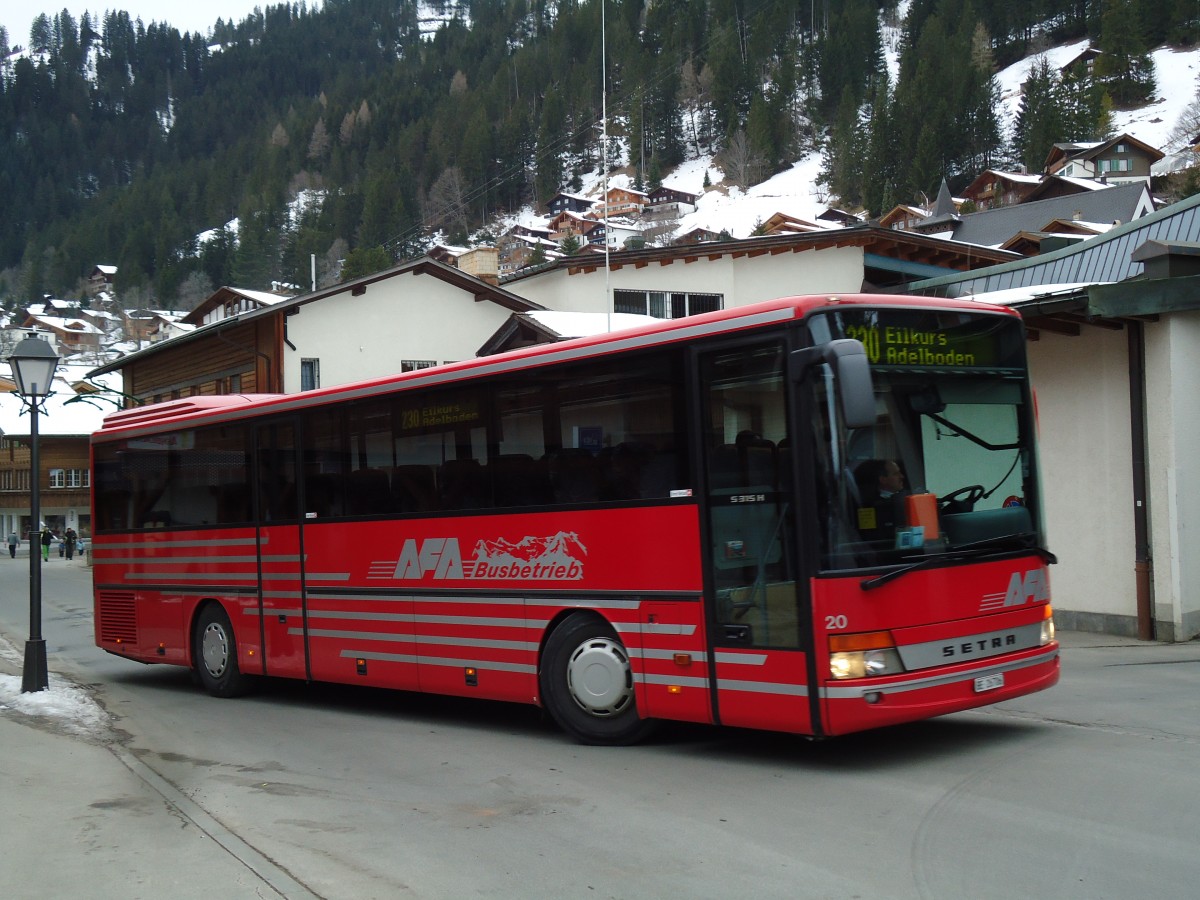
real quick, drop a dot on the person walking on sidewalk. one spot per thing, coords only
(47, 540)
(12, 544)
(69, 539)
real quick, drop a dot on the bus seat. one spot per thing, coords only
(621, 470)
(367, 492)
(322, 495)
(574, 476)
(725, 468)
(414, 488)
(659, 475)
(518, 480)
(463, 484)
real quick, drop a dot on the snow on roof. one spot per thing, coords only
(1013, 296)
(266, 298)
(66, 413)
(581, 324)
(79, 326)
(1088, 184)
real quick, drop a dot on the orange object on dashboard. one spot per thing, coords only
(921, 510)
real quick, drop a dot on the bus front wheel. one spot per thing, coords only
(215, 654)
(587, 683)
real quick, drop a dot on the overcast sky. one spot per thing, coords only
(194, 15)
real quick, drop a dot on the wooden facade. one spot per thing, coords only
(241, 359)
(64, 489)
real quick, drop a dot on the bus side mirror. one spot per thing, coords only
(851, 377)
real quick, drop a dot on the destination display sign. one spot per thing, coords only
(434, 415)
(916, 339)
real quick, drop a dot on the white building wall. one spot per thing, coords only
(1173, 471)
(1082, 386)
(742, 280)
(407, 317)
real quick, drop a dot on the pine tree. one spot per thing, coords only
(1124, 66)
(1039, 119)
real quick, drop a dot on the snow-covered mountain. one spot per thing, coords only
(797, 192)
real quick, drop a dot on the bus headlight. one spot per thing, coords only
(863, 655)
(1047, 635)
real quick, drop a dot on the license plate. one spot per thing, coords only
(989, 682)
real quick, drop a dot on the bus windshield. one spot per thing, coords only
(949, 464)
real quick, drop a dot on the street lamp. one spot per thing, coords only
(33, 363)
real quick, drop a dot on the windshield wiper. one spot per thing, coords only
(976, 549)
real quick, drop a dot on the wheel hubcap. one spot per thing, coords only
(214, 648)
(598, 677)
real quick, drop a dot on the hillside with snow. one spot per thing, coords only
(798, 193)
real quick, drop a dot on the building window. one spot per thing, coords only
(310, 374)
(412, 365)
(70, 478)
(665, 304)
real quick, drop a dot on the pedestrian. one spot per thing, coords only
(47, 540)
(69, 540)
(13, 540)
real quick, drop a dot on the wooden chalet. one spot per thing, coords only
(1121, 158)
(564, 202)
(993, 188)
(620, 202)
(903, 217)
(782, 223)
(406, 317)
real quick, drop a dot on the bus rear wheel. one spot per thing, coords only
(214, 653)
(587, 683)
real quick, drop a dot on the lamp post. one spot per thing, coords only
(33, 363)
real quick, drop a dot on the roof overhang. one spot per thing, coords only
(1109, 306)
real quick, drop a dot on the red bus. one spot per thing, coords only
(814, 515)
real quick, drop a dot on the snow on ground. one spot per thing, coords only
(797, 193)
(1176, 76)
(727, 208)
(69, 706)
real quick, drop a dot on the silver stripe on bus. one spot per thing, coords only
(583, 604)
(741, 659)
(188, 560)
(498, 601)
(663, 628)
(325, 576)
(383, 657)
(641, 653)
(360, 616)
(689, 681)
(101, 545)
(197, 591)
(896, 687)
(430, 639)
(762, 687)
(197, 576)
(471, 620)
(484, 665)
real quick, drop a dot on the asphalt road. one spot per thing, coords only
(1090, 790)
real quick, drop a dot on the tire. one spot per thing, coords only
(587, 683)
(214, 654)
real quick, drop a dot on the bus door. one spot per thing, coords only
(280, 551)
(755, 595)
